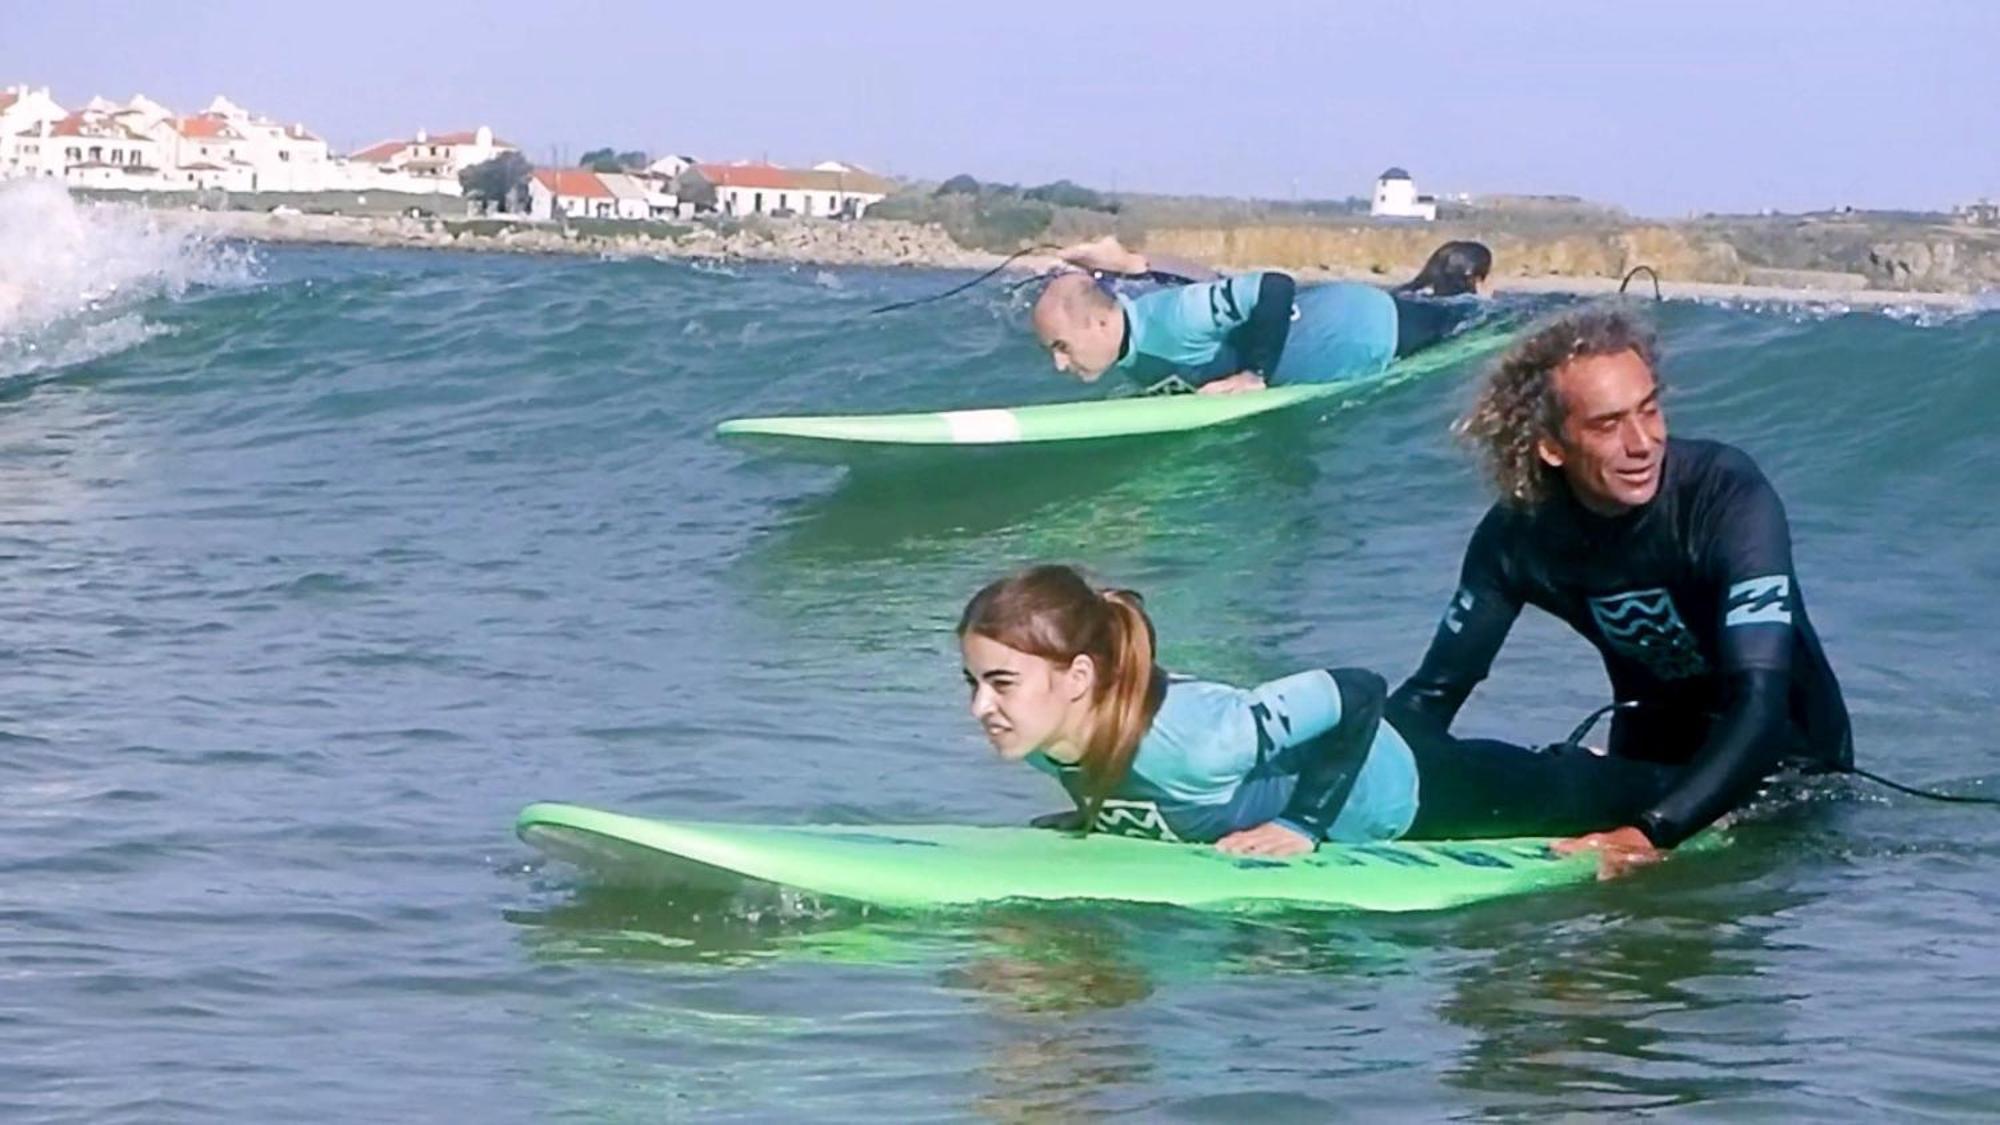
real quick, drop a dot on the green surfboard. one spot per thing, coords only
(1095, 420)
(920, 866)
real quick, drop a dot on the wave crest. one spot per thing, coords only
(75, 275)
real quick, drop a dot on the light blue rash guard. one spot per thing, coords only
(1187, 335)
(1218, 759)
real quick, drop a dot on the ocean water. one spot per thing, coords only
(316, 565)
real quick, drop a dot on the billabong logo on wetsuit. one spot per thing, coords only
(1262, 717)
(1760, 601)
(1134, 818)
(1171, 385)
(1454, 614)
(1645, 626)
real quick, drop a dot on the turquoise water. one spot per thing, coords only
(318, 564)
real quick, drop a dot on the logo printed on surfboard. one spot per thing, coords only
(980, 427)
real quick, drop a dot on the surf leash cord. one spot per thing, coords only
(957, 289)
(1634, 272)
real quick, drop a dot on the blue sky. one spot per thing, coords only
(1664, 108)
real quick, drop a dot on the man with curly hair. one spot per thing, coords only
(1672, 556)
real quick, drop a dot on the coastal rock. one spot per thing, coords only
(1696, 260)
(1914, 264)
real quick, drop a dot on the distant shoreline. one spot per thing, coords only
(1722, 291)
(890, 243)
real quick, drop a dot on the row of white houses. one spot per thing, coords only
(141, 145)
(829, 191)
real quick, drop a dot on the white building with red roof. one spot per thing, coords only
(24, 110)
(427, 163)
(207, 152)
(226, 146)
(829, 191)
(90, 148)
(29, 105)
(580, 193)
(575, 192)
(641, 196)
(143, 145)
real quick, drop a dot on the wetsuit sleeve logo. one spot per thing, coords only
(1760, 601)
(1263, 718)
(1454, 614)
(1141, 819)
(1222, 307)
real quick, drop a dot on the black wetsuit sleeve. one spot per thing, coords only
(1260, 339)
(1743, 748)
(1748, 558)
(1333, 760)
(1474, 626)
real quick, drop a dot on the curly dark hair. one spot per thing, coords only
(1518, 405)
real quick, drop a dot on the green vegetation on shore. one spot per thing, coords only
(1002, 218)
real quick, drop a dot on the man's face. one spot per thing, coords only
(1081, 344)
(1614, 436)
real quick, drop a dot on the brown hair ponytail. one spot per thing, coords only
(1052, 612)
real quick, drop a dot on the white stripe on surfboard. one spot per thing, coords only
(977, 427)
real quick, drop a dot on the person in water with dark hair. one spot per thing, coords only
(1672, 556)
(1063, 676)
(1455, 269)
(1445, 294)
(1230, 334)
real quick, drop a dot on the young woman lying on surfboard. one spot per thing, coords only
(1062, 676)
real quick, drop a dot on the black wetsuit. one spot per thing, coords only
(1695, 606)
(1422, 322)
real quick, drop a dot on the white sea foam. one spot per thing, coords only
(74, 277)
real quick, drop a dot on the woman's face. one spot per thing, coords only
(1024, 702)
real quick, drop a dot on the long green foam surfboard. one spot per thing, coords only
(1106, 418)
(917, 866)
